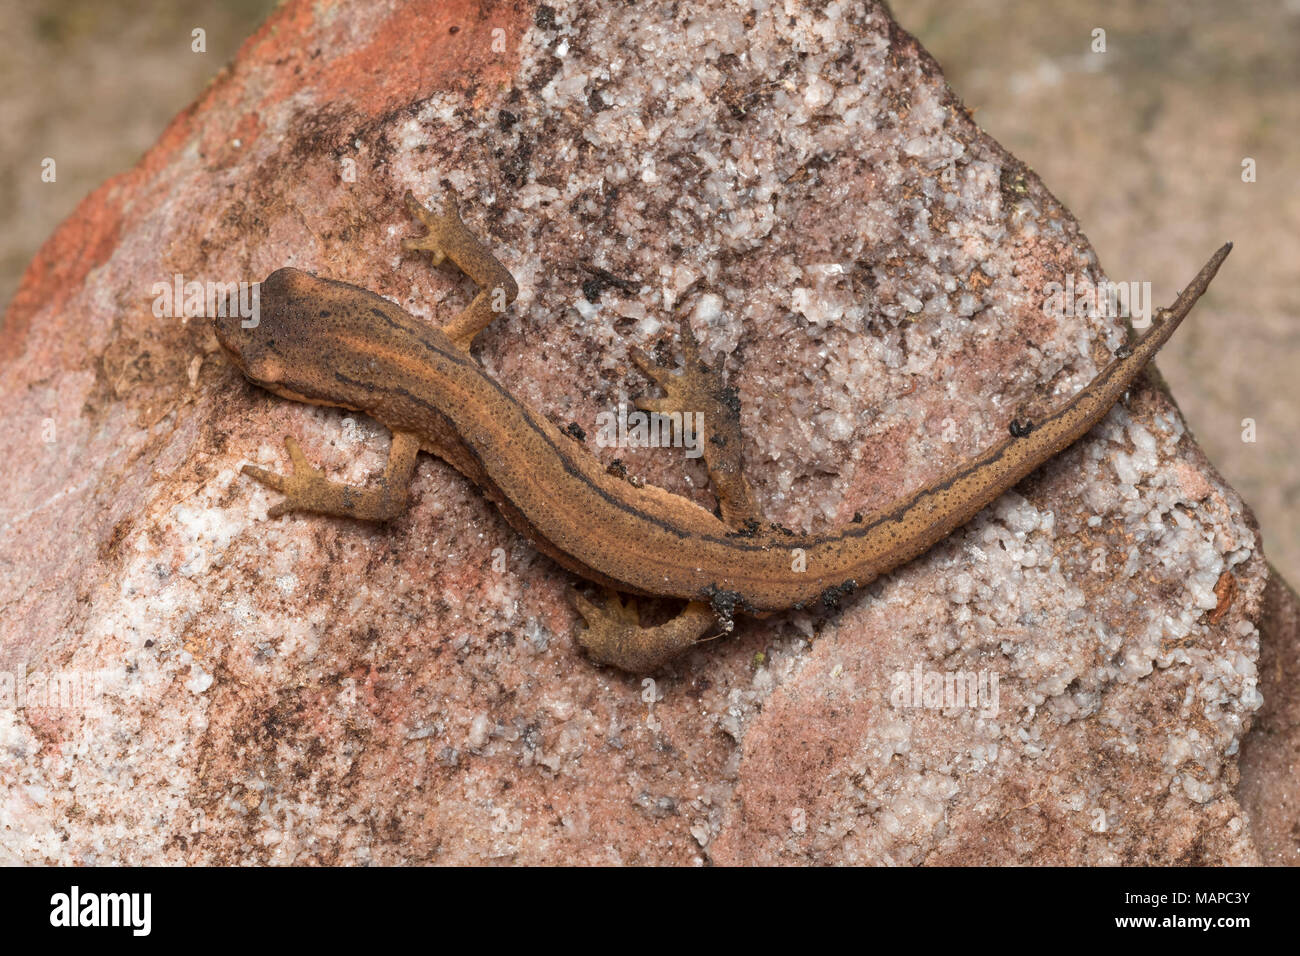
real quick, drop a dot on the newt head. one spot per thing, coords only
(279, 346)
(257, 342)
(322, 341)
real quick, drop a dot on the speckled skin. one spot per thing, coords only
(332, 343)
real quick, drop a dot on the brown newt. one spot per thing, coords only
(330, 343)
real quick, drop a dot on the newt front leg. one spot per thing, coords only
(446, 237)
(306, 488)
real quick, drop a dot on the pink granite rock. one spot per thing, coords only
(190, 682)
(1270, 753)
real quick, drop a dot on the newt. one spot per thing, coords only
(327, 342)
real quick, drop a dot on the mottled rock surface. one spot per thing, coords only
(1270, 753)
(314, 690)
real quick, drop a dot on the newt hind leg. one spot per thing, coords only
(446, 237)
(699, 390)
(614, 634)
(307, 489)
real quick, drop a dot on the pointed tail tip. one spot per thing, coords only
(1196, 288)
(1209, 270)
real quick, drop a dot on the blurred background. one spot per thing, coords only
(1144, 143)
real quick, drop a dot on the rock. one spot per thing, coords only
(201, 685)
(1270, 754)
